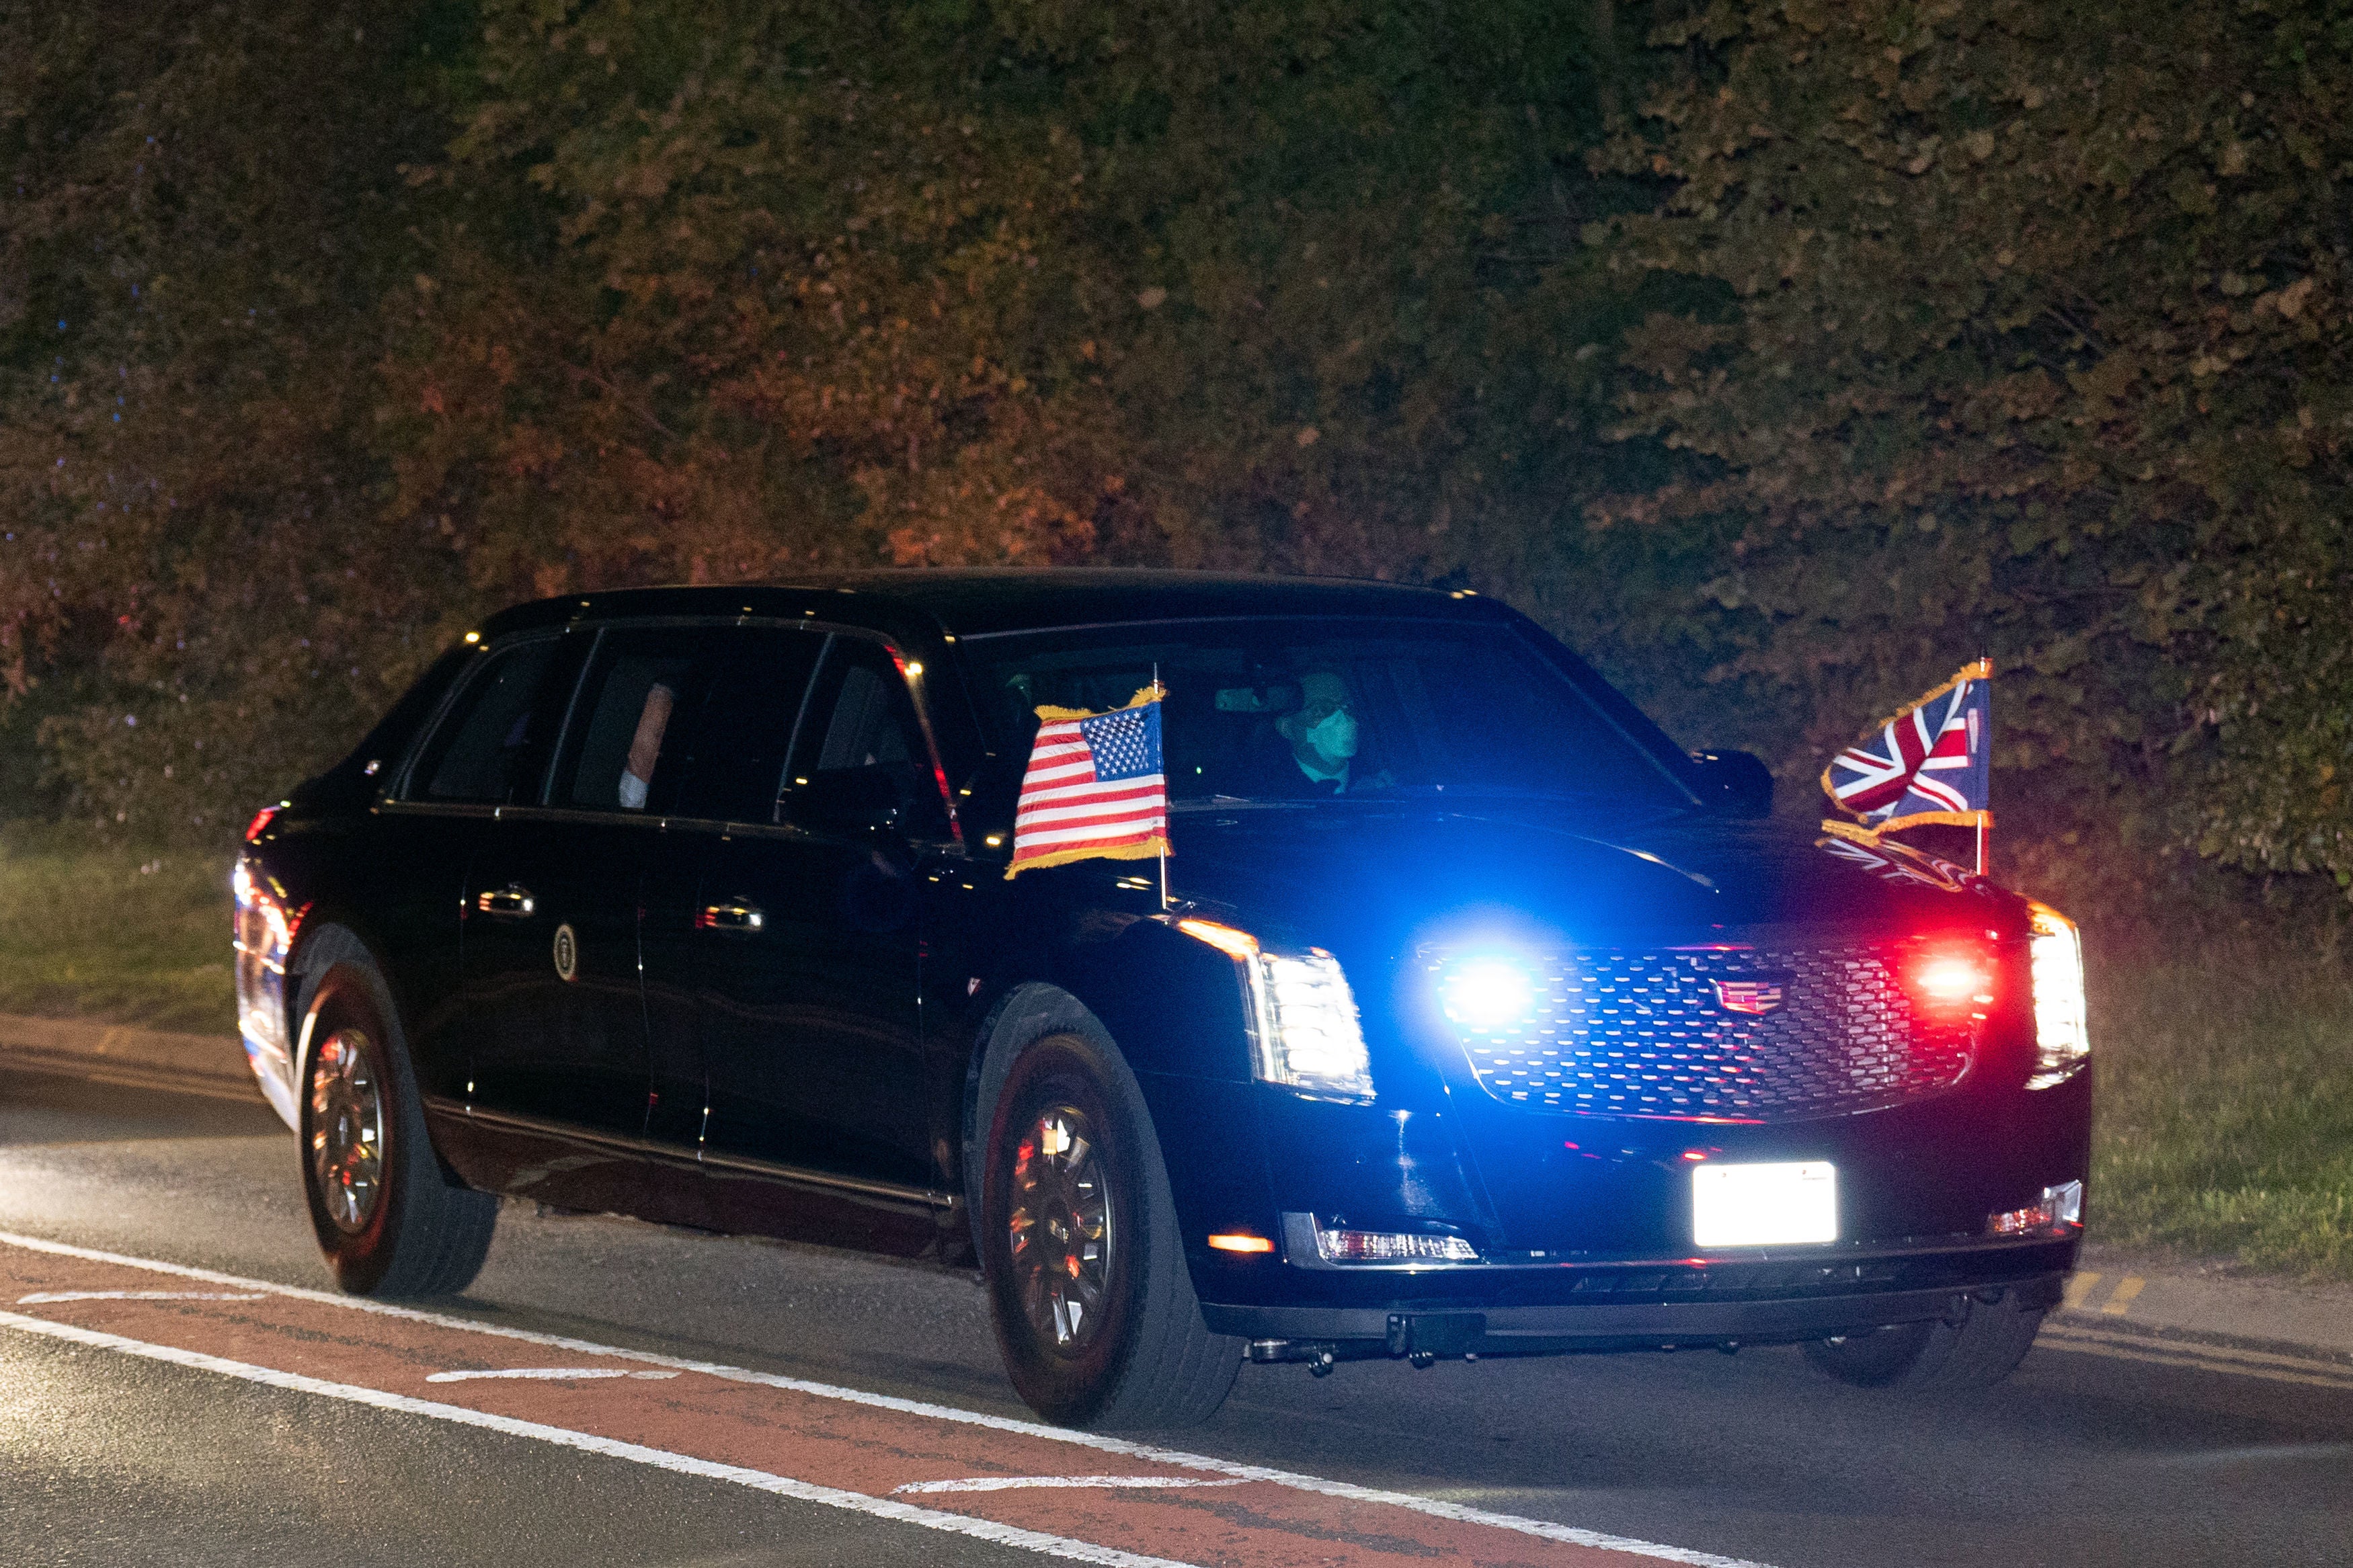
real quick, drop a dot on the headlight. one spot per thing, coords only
(1485, 993)
(1302, 1016)
(2062, 1041)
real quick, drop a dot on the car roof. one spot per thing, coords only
(975, 602)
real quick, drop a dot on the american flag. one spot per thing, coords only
(1094, 787)
(1930, 764)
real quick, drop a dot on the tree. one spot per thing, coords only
(2018, 328)
(203, 210)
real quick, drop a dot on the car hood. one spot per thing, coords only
(1346, 875)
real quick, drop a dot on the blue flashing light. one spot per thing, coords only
(1487, 993)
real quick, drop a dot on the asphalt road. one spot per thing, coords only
(109, 1455)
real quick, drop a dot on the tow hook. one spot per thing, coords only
(1319, 1356)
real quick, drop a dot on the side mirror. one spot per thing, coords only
(845, 803)
(1735, 783)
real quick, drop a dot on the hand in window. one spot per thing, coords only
(644, 747)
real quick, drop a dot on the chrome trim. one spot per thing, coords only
(801, 1176)
(584, 815)
(1299, 1251)
(434, 807)
(677, 1154)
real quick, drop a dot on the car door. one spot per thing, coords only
(810, 943)
(488, 748)
(551, 961)
(735, 749)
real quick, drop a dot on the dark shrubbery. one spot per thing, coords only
(1783, 364)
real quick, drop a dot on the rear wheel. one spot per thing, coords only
(389, 1222)
(1092, 1304)
(1992, 1336)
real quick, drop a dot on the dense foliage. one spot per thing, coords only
(1783, 362)
(202, 216)
(523, 298)
(2022, 328)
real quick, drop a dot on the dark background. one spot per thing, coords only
(1783, 357)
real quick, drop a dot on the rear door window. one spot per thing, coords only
(492, 745)
(632, 726)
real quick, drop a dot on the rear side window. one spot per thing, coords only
(632, 725)
(492, 745)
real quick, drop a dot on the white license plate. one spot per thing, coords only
(1764, 1206)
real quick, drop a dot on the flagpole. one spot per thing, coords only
(1985, 812)
(1156, 695)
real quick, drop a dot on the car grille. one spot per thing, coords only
(1620, 1033)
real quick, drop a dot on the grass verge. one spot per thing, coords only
(2224, 1120)
(132, 936)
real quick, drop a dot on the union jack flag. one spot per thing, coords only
(1095, 788)
(1930, 764)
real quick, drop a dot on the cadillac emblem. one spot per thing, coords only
(1752, 998)
(568, 954)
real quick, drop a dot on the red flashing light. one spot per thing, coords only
(260, 823)
(1949, 978)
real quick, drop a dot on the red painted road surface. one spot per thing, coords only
(1066, 1494)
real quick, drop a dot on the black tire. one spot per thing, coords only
(391, 1223)
(1139, 1357)
(1993, 1334)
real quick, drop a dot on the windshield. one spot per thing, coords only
(1294, 709)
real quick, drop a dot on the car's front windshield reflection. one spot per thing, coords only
(1294, 709)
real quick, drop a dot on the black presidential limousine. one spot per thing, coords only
(1473, 1018)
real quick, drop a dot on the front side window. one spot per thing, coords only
(491, 747)
(1286, 710)
(860, 740)
(740, 745)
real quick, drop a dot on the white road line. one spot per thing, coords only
(547, 1373)
(1017, 1483)
(589, 1442)
(42, 1297)
(1544, 1529)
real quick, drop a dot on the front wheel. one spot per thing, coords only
(1993, 1334)
(1092, 1304)
(389, 1222)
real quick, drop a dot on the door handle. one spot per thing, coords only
(734, 915)
(512, 901)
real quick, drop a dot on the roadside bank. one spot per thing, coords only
(210, 1065)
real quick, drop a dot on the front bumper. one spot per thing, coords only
(1511, 1310)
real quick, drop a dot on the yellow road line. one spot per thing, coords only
(2236, 1364)
(2130, 1286)
(2079, 1289)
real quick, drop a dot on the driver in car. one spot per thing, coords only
(1314, 748)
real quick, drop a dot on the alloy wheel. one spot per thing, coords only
(346, 1131)
(1060, 1229)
